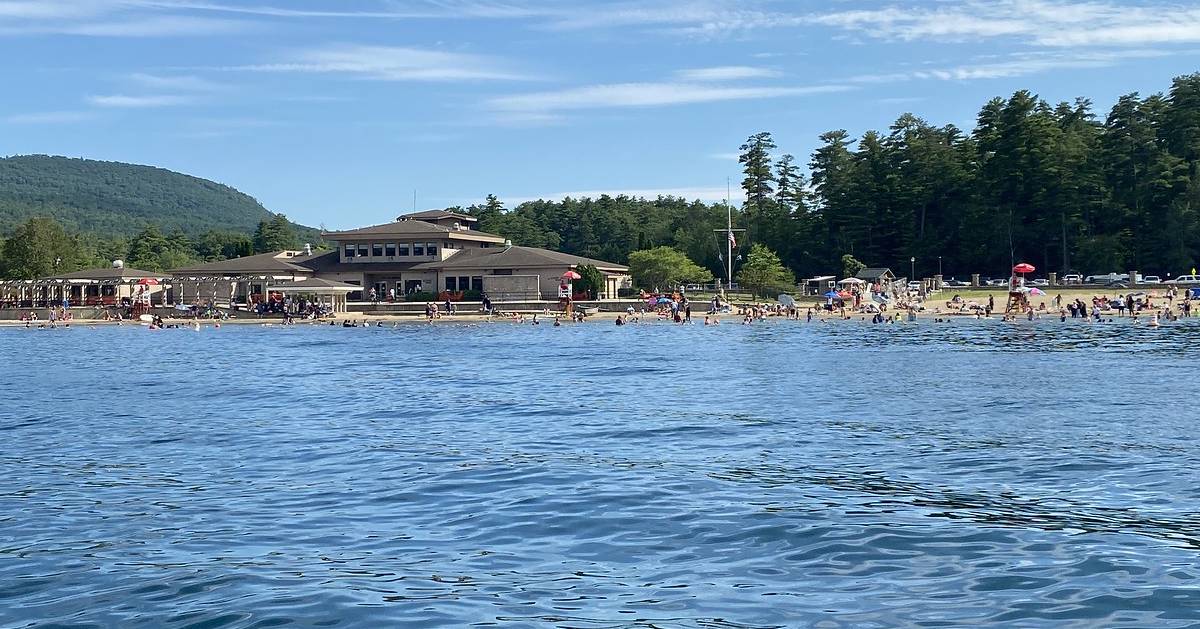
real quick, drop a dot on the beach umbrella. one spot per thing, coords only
(1024, 268)
(665, 300)
(572, 275)
(148, 281)
(1037, 291)
(833, 294)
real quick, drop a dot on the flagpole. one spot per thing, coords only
(728, 234)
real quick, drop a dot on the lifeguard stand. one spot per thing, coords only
(1018, 294)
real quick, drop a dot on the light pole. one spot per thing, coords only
(939, 266)
(913, 271)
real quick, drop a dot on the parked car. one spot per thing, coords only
(958, 283)
(1185, 280)
(997, 282)
(1041, 281)
(1117, 284)
(1072, 278)
(1150, 279)
(914, 285)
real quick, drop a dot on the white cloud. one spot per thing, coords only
(390, 10)
(1020, 64)
(52, 9)
(105, 18)
(646, 95)
(185, 83)
(390, 63)
(697, 17)
(50, 117)
(725, 73)
(138, 102)
(1056, 23)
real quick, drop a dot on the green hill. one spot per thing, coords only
(113, 199)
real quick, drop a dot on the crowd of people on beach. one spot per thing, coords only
(677, 308)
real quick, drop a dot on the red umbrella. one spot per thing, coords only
(1024, 267)
(148, 281)
(572, 275)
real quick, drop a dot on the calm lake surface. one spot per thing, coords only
(1035, 474)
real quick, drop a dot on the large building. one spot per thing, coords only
(426, 252)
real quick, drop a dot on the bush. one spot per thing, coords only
(422, 296)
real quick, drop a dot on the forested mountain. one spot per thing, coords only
(1054, 185)
(111, 199)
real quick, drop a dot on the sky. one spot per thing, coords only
(339, 112)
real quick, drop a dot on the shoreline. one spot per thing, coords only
(821, 316)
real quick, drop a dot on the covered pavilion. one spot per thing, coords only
(111, 286)
(327, 291)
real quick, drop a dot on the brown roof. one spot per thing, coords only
(330, 262)
(108, 273)
(515, 257)
(436, 215)
(277, 262)
(410, 228)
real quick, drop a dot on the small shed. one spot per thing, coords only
(820, 285)
(876, 276)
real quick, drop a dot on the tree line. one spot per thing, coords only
(1054, 185)
(42, 247)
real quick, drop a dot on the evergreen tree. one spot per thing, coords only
(756, 165)
(275, 234)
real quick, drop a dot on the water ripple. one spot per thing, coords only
(1030, 474)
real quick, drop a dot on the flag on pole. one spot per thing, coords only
(732, 240)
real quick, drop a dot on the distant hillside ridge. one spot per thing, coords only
(110, 199)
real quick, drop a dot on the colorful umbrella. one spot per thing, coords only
(572, 275)
(1024, 267)
(148, 281)
(833, 294)
(1037, 291)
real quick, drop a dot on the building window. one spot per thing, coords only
(362, 251)
(391, 249)
(485, 245)
(464, 283)
(350, 251)
(477, 284)
(451, 284)
(431, 248)
(403, 250)
(418, 249)
(377, 251)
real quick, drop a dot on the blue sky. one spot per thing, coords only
(334, 111)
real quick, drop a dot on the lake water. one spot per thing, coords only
(785, 474)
